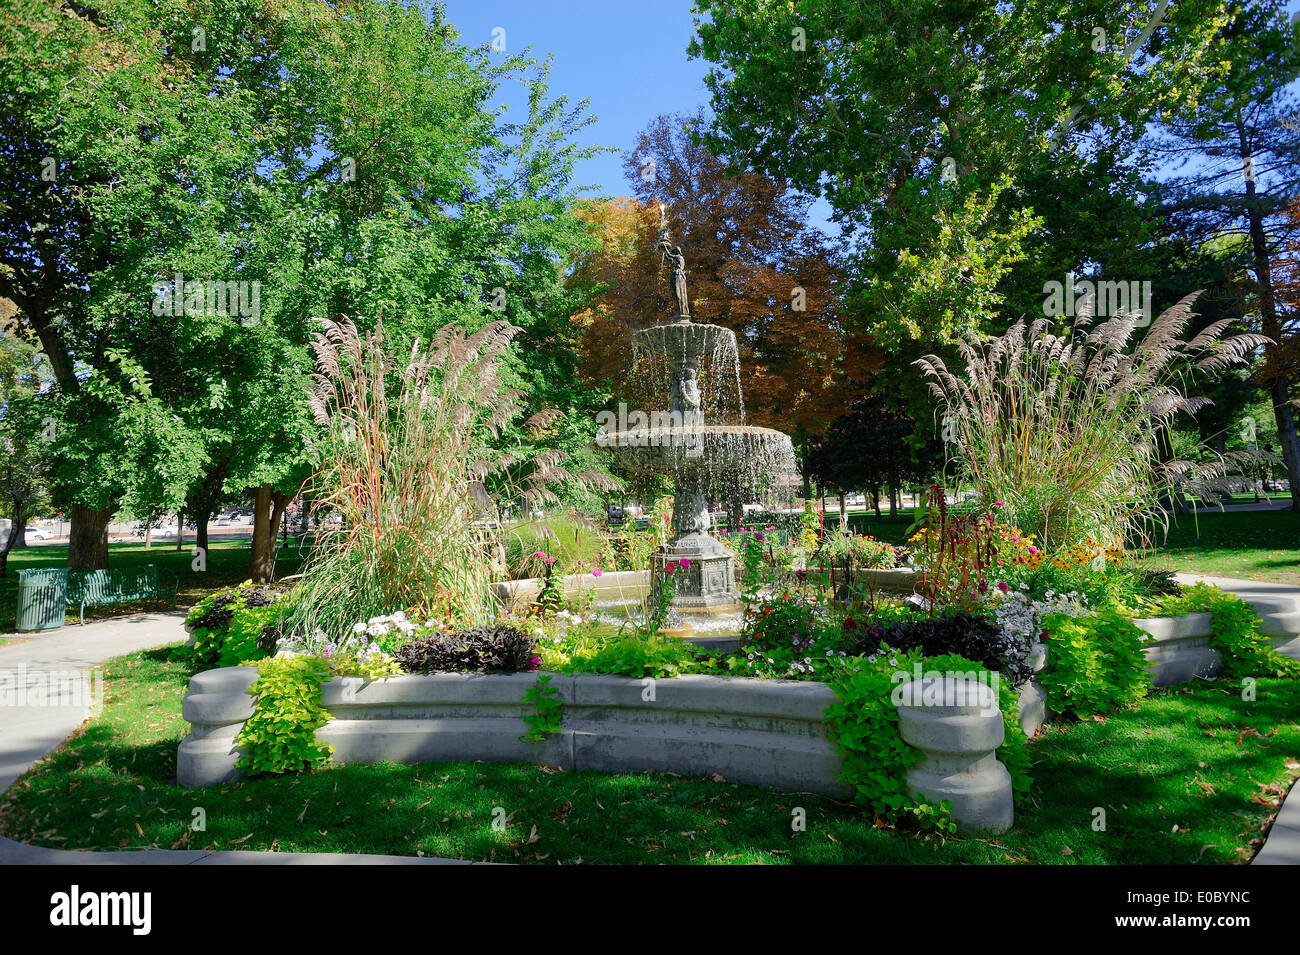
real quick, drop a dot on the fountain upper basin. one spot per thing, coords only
(691, 447)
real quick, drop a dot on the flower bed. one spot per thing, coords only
(1042, 636)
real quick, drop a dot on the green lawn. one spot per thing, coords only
(1191, 776)
(227, 564)
(885, 528)
(1263, 545)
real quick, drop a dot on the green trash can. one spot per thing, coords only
(42, 599)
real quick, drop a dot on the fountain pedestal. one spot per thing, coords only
(707, 582)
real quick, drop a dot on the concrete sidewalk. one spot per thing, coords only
(41, 661)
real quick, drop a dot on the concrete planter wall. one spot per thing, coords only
(764, 732)
(611, 585)
(1180, 653)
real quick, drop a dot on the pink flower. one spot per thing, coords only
(669, 568)
(684, 562)
(1002, 584)
(998, 504)
(550, 560)
(770, 527)
(596, 571)
(534, 663)
(1033, 549)
(540, 553)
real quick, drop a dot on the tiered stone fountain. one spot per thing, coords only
(698, 365)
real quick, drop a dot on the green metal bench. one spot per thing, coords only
(93, 588)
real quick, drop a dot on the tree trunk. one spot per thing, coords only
(844, 513)
(875, 501)
(201, 519)
(893, 501)
(88, 538)
(1278, 387)
(801, 442)
(15, 531)
(268, 506)
(1280, 392)
(148, 531)
(180, 527)
(261, 561)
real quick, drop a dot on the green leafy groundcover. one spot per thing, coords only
(230, 626)
(1188, 775)
(280, 736)
(864, 724)
(1095, 664)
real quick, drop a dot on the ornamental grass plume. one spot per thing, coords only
(411, 461)
(1063, 428)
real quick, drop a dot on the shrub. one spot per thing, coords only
(862, 550)
(235, 626)
(863, 724)
(974, 638)
(1062, 428)
(640, 656)
(788, 635)
(480, 650)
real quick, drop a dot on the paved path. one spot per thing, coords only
(50, 666)
(1272, 504)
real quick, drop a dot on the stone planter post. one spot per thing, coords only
(957, 724)
(216, 706)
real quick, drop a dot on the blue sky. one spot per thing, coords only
(627, 57)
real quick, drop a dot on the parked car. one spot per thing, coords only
(36, 533)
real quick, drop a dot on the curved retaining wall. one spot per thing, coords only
(764, 732)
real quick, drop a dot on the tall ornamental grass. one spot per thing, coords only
(1063, 429)
(409, 463)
